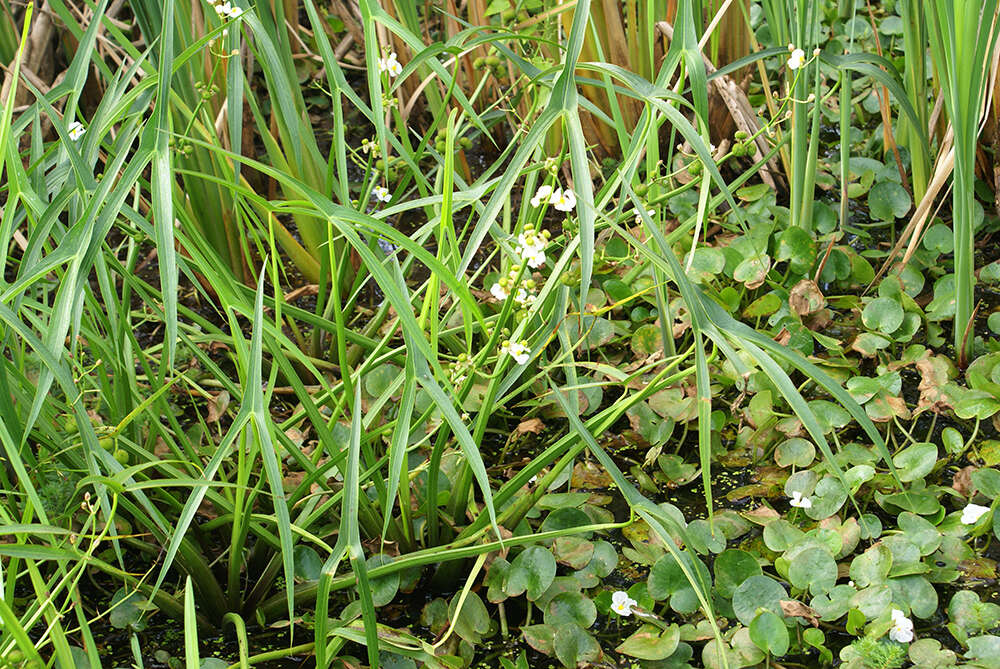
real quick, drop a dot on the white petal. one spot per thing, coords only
(972, 513)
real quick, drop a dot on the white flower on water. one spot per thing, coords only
(902, 627)
(381, 193)
(498, 291)
(972, 513)
(622, 604)
(390, 65)
(542, 195)
(76, 130)
(797, 59)
(563, 200)
(799, 501)
(517, 350)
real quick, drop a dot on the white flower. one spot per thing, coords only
(381, 193)
(638, 216)
(972, 513)
(524, 298)
(390, 65)
(227, 9)
(542, 195)
(797, 59)
(531, 247)
(622, 604)
(563, 200)
(499, 292)
(76, 130)
(517, 350)
(902, 627)
(799, 501)
(367, 145)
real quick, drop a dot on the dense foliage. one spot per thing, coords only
(654, 333)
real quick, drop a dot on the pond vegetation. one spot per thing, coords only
(499, 333)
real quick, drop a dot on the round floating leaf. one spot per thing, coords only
(972, 615)
(829, 415)
(702, 538)
(752, 270)
(757, 592)
(571, 607)
(795, 451)
(916, 593)
(827, 499)
(763, 306)
(649, 642)
(939, 239)
(985, 648)
(217, 663)
(888, 200)
(927, 653)
(617, 290)
(920, 531)
(378, 380)
(384, 588)
(434, 615)
(813, 568)
(779, 535)
(732, 567)
(308, 564)
(532, 571)
(873, 601)
(540, 637)
(127, 610)
(573, 551)
(797, 246)
(473, 621)
(667, 580)
(566, 518)
(990, 273)
(573, 644)
(707, 263)
(872, 566)
(977, 404)
(646, 340)
(883, 314)
(993, 322)
(834, 604)
(916, 461)
(603, 563)
(769, 633)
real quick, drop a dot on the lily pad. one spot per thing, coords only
(915, 461)
(769, 633)
(887, 200)
(571, 607)
(573, 644)
(757, 592)
(732, 568)
(668, 581)
(532, 572)
(883, 314)
(650, 642)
